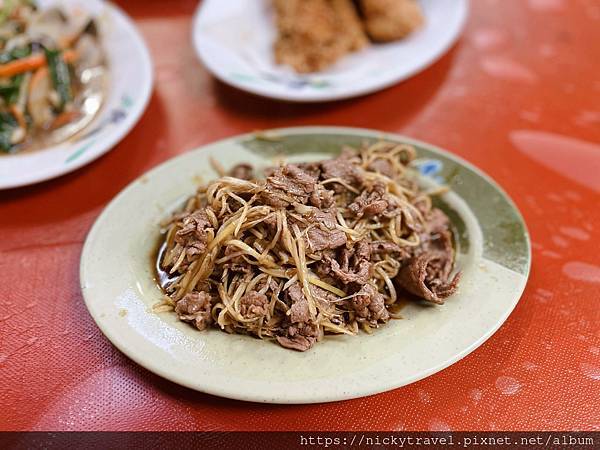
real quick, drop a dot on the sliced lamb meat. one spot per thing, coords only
(422, 205)
(387, 248)
(345, 232)
(323, 233)
(321, 197)
(360, 275)
(363, 250)
(369, 305)
(193, 235)
(382, 166)
(254, 304)
(311, 168)
(320, 239)
(299, 311)
(350, 265)
(374, 202)
(427, 276)
(195, 308)
(261, 286)
(427, 273)
(236, 264)
(436, 220)
(324, 299)
(242, 171)
(288, 183)
(299, 337)
(342, 168)
(436, 235)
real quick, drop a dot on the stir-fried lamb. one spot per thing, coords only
(312, 249)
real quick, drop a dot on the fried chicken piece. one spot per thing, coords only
(313, 34)
(390, 20)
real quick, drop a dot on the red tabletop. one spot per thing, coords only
(518, 96)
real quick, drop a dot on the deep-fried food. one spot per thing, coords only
(313, 34)
(389, 20)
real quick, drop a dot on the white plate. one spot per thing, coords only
(117, 280)
(128, 93)
(234, 39)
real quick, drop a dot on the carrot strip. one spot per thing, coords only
(64, 118)
(31, 63)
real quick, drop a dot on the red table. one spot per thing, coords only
(518, 96)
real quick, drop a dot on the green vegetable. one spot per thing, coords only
(10, 91)
(7, 126)
(59, 72)
(15, 53)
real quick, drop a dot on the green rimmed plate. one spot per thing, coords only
(118, 285)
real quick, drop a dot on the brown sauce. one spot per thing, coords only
(401, 302)
(161, 276)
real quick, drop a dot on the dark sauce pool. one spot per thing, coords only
(161, 276)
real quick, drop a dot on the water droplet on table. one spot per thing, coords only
(505, 68)
(582, 271)
(590, 371)
(508, 385)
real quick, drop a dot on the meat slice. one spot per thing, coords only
(236, 264)
(299, 311)
(193, 235)
(195, 308)
(369, 305)
(311, 168)
(362, 250)
(288, 184)
(298, 331)
(325, 299)
(323, 233)
(254, 304)
(360, 274)
(342, 168)
(374, 202)
(349, 265)
(390, 20)
(299, 337)
(321, 197)
(435, 237)
(427, 273)
(242, 171)
(382, 166)
(427, 276)
(387, 248)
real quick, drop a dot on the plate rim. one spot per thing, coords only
(109, 143)
(215, 70)
(308, 398)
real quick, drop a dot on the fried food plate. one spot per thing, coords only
(120, 289)
(234, 40)
(127, 90)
